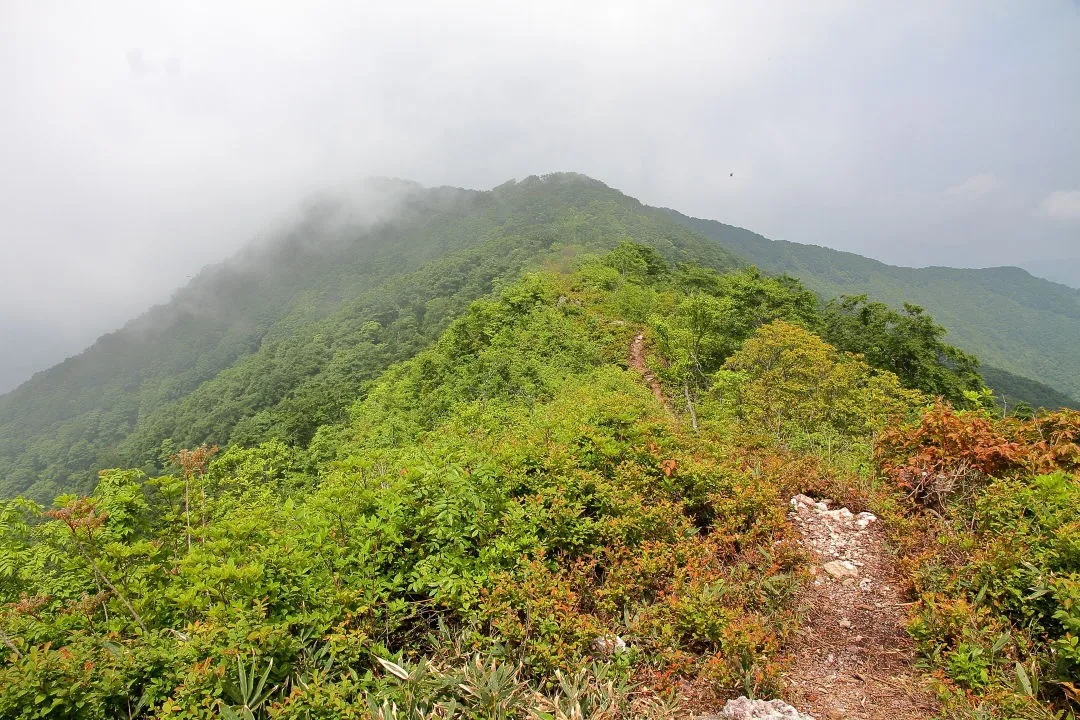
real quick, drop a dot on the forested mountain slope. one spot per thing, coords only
(1010, 320)
(517, 522)
(279, 339)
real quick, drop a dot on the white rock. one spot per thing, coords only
(747, 709)
(863, 520)
(841, 569)
(841, 515)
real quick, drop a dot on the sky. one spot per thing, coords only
(142, 140)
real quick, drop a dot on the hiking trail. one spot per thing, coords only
(851, 656)
(637, 362)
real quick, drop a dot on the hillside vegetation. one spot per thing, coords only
(1025, 330)
(514, 524)
(278, 340)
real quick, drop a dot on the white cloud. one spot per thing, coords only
(1062, 205)
(976, 186)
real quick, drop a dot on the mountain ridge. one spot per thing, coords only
(280, 339)
(528, 497)
(1040, 313)
(261, 333)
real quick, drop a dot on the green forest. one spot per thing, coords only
(525, 453)
(275, 345)
(1022, 328)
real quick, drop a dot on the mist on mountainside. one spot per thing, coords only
(26, 350)
(274, 342)
(326, 225)
(145, 143)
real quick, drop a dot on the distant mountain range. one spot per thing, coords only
(1025, 330)
(1063, 270)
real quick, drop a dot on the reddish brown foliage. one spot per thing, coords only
(81, 514)
(193, 462)
(31, 604)
(949, 451)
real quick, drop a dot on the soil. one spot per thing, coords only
(853, 657)
(637, 362)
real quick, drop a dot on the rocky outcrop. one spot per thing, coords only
(747, 709)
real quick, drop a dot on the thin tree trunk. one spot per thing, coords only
(7, 641)
(690, 405)
(187, 510)
(109, 584)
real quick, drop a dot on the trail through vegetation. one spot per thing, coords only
(509, 526)
(853, 657)
(637, 362)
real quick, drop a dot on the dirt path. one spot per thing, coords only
(637, 362)
(853, 657)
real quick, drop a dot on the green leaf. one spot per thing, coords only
(1023, 680)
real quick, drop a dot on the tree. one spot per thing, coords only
(694, 339)
(637, 261)
(83, 521)
(907, 343)
(718, 312)
(192, 464)
(785, 376)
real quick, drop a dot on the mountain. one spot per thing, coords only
(1063, 270)
(279, 339)
(1024, 330)
(590, 497)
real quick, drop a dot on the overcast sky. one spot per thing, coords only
(141, 140)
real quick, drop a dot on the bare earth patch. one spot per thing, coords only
(637, 362)
(852, 657)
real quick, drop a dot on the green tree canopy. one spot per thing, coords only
(905, 342)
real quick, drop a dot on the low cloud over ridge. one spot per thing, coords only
(143, 140)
